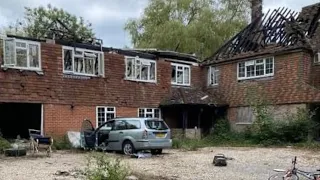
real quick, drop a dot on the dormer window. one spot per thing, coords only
(20, 54)
(258, 68)
(138, 69)
(213, 76)
(180, 74)
(82, 62)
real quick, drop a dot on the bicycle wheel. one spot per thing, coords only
(281, 176)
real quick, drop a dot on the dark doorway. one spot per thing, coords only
(17, 118)
(190, 116)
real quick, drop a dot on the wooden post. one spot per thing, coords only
(185, 122)
(199, 121)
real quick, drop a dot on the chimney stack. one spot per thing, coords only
(256, 9)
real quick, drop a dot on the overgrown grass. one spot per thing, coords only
(294, 130)
(61, 143)
(4, 144)
(100, 167)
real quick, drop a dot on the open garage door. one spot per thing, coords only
(17, 118)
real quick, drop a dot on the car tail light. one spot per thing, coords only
(145, 134)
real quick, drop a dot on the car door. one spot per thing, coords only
(116, 135)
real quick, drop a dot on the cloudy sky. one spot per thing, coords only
(109, 16)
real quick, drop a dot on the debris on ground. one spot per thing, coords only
(132, 177)
(141, 155)
(74, 139)
(220, 160)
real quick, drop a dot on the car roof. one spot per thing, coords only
(133, 118)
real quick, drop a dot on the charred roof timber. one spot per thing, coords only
(281, 29)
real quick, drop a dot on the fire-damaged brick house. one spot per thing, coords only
(275, 58)
(53, 85)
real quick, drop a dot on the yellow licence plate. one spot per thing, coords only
(160, 135)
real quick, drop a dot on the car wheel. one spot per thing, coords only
(156, 151)
(128, 148)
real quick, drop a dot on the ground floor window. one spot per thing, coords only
(149, 113)
(104, 114)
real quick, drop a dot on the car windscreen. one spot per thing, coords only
(156, 124)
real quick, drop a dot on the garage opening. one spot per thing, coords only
(17, 118)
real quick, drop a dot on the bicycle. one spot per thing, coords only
(292, 174)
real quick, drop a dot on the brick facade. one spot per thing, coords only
(58, 92)
(291, 83)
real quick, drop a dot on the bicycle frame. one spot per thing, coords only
(295, 171)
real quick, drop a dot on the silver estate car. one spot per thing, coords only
(130, 135)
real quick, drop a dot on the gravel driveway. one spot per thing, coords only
(248, 163)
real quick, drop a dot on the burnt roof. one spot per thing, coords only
(91, 47)
(277, 31)
(191, 96)
(169, 54)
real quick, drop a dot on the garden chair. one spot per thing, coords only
(37, 139)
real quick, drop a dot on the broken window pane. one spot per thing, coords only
(79, 65)
(89, 60)
(9, 53)
(129, 67)
(34, 55)
(100, 63)
(186, 75)
(173, 74)
(144, 72)
(21, 45)
(21, 55)
(179, 77)
(138, 69)
(153, 71)
(67, 58)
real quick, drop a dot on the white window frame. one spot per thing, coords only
(27, 42)
(183, 82)
(153, 112)
(254, 61)
(141, 60)
(105, 113)
(100, 61)
(213, 69)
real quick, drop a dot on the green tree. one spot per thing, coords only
(38, 21)
(190, 26)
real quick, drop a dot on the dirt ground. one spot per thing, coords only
(248, 163)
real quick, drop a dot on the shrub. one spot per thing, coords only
(61, 143)
(101, 167)
(293, 128)
(4, 144)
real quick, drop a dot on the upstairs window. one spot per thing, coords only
(213, 76)
(20, 54)
(149, 113)
(83, 62)
(180, 74)
(138, 69)
(256, 68)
